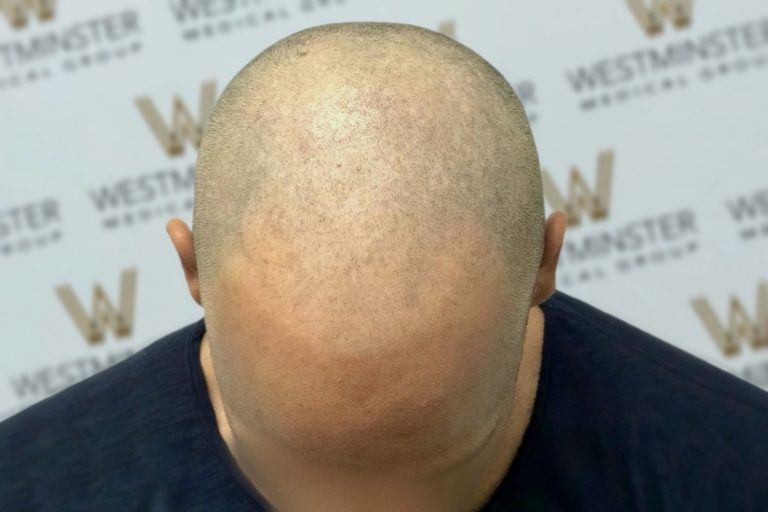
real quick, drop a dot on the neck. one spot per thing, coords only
(292, 485)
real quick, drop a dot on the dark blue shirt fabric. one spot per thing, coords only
(621, 421)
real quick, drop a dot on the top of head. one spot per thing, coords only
(371, 175)
(352, 122)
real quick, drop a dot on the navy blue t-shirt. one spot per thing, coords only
(621, 421)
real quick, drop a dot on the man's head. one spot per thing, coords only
(369, 238)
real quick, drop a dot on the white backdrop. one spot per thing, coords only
(86, 186)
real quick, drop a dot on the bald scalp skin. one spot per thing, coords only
(370, 250)
(383, 116)
(380, 387)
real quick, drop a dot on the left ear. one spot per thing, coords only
(181, 238)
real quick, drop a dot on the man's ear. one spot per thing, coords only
(554, 232)
(181, 238)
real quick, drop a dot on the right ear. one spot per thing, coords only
(181, 238)
(554, 233)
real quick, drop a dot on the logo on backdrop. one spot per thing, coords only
(740, 327)
(30, 226)
(37, 384)
(674, 63)
(18, 12)
(581, 198)
(183, 124)
(750, 213)
(104, 315)
(652, 13)
(207, 19)
(594, 247)
(45, 50)
(160, 194)
(150, 196)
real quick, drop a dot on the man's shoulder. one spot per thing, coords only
(639, 360)
(626, 421)
(84, 429)
(125, 381)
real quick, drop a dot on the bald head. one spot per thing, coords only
(368, 226)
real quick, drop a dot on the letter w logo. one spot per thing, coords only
(17, 11)
(103, 314)
(740, 325)
(580, 196)
(183, 124)
(651, 17)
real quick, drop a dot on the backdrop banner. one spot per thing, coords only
(649, 115)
